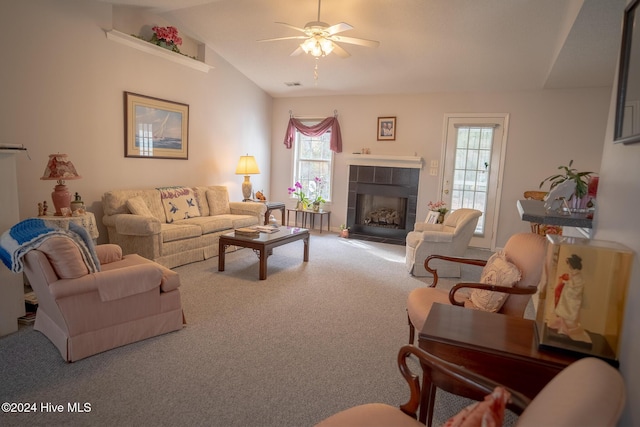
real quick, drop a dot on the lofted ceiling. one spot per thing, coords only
(425, 45)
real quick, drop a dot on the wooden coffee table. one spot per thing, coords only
(263, 244)
(500, 347)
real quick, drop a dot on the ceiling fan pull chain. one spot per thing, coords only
(315, 73)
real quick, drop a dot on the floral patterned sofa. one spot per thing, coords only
(175, 225)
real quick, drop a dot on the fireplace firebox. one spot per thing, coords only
(382, 202)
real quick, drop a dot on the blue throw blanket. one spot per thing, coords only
(31, 233)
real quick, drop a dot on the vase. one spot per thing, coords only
(300, 206)
(441, 218)
(316, 207)
(344, 233)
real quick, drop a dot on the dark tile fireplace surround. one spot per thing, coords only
(382, 202)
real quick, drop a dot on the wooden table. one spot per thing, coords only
(272, 206)
(310, 215)
(263, 244)
(500, 347)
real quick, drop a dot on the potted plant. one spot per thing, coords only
(344, 231)
(318, 183)
(303, 200)
(580, 179)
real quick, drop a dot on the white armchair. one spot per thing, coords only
(450, 238)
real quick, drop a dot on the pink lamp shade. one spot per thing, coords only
(59, 168)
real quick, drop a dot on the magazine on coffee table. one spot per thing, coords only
(256, 230)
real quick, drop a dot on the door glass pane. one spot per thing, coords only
(471, 170)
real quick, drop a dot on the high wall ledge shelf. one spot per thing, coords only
(382, 160)
(145, 46)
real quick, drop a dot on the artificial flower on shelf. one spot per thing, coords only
(166, 37)
(303, 200)
(440, 207)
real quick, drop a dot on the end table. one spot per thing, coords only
(86, 220)
(273, 206)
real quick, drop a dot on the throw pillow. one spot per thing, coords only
(179, 203)
(65, 257)
(138, 206)
(488, 413)
(218, 199)
(500, 272)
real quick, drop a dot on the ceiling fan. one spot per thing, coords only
(320, 38)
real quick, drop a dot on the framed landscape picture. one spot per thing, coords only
(155, 128)
(386, 128)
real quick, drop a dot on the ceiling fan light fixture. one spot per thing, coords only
(317, 46)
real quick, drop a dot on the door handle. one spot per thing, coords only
(446, 191)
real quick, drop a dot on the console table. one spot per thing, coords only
(503, 348)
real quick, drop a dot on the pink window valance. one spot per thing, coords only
(329, 123)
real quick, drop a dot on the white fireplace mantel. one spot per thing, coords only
(385, 161)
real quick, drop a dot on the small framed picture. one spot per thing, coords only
(432, 217)
(386, 128)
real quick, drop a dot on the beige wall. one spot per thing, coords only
(546, 129)
(62, 84)
(617, 220)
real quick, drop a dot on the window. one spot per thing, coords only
(313, 159)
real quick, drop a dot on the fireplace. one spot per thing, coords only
(382, 202)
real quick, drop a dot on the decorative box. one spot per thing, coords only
(582, 297)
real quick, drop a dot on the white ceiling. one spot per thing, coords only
(425, 45)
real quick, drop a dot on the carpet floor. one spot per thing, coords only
(311, 340)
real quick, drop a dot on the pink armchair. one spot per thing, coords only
(84, 313)
(588, 392)
(525, 251)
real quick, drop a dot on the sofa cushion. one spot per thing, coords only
(138, 206)
(500, 272)
(65, 257)
(173, 232)
(239, 221)
(179, 203)
(210, 224)
(218, 199)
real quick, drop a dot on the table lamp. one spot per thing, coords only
(247, 166)
(60, 168)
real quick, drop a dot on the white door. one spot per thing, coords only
(473, 164)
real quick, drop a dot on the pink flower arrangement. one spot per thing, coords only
(296, 190)
(438, 206)
(166, 37)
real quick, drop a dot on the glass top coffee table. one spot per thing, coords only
(263, 244)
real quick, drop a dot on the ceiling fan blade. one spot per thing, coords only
(338, 50)
(297, 52)
(302, 30)
(283, 38)
(352, 40)
(338, 28)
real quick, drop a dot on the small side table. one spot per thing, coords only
(322, 214)
(86, 220)
(273, 206)
(295, 216)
